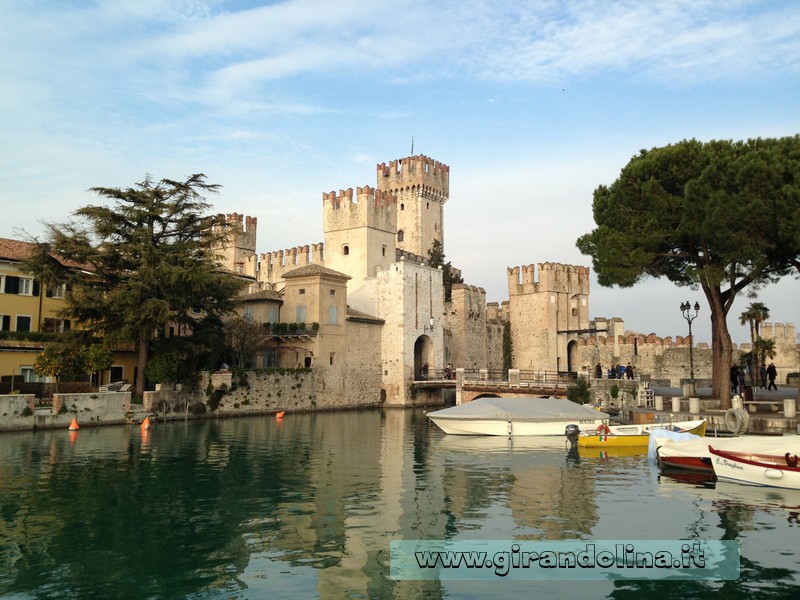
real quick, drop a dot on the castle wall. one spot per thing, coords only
(363, 377)
(272, 265)
(787, 351)
(408, 295)
(465, 316)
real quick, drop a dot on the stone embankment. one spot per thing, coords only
(219, 395)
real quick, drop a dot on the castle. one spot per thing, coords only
(367, 310)
(381, 304)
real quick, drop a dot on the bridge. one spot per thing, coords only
(470, 384)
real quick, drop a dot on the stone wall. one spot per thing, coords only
(264, 392)
(107, 408)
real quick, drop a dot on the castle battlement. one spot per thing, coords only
(779, 331)
(272, 265)
(410, 257)
(367, 207)
(548, 277)
(413, 173)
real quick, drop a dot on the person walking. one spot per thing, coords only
(772, 373)
(629, 371)
(734, 379)
(762, 375)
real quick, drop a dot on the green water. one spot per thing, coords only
(307, 507)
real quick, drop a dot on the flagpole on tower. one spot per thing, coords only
(412, 145)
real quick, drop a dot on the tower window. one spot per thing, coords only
(345, 250)
(383, 251)
(301, 291)
(402, 206)
(400, 235)
(427, 205)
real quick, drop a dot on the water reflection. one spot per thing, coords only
(307, 507)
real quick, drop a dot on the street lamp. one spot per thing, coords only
(686, 311)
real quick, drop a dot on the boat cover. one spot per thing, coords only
(520, 408)
(668, 443)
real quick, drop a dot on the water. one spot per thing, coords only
(307, 508)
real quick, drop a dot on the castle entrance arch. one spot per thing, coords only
(423, 354)
(572, 357)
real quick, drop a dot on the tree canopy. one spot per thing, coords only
(144, 263)
(723, 216)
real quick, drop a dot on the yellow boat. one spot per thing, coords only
(606, 439)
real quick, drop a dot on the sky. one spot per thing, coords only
(532, 104)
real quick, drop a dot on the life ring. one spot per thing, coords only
(602, 430)
(791, 460)
(737, 420)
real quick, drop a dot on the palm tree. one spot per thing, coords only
(755, 314)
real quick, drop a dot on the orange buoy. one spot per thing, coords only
(146, 424)
(74, 425)
(279, 415)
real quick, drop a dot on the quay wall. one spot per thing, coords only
(89, 409)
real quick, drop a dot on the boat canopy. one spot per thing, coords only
(520, 408)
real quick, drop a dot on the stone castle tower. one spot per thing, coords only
(548, 314)
(238, 254)
(420, 187)
(359, 232)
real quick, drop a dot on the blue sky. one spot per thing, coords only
(531, 104)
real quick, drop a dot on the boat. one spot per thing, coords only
(604, 437)
(749, 468)
(645, 428)
(693, 455)
(517, 415)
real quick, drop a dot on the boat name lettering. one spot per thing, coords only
(725, 463)
(586, 422)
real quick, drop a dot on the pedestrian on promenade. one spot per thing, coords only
(734, 379)
(629, 371)
(772, 373)
(762, 373)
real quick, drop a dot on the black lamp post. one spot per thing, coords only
(686, 311)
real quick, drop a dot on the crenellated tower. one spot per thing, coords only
(239, 251)
(359, 232)
(420, 187)
(548, 305)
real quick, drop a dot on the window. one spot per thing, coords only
(30, 376)
(273, 314)
(301, 291)
(5, 323)
(25, 286)
(54, 325)
(400, 235)
(117, 372)
(383, 251)
(333, 292)
(346, 250)
(574, 312)
(300, 314)
(402, 206)
(270, 358)
(58, 291)
(23, 323)
(332, 315)
(331, 357)
(248, 312)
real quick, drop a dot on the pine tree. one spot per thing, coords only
(144, 263)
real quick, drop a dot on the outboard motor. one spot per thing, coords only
(572, 432)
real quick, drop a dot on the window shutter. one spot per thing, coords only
(35, 287)
(12, 284)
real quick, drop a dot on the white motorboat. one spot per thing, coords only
(769, 470)
(519, 415)
(692, 454)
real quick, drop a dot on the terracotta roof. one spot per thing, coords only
(17, 250)
(314, 269)
(14, 249)
(262, 295)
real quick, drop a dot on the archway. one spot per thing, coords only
(423, 354)
(572, 357)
